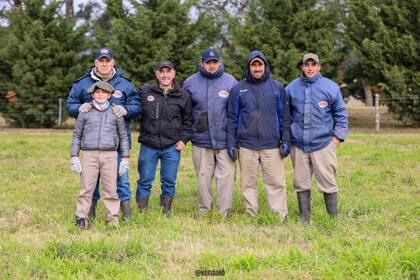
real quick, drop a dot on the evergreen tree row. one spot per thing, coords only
(367, 46)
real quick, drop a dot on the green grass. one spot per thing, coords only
(376, 236)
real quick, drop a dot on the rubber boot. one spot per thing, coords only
(331, 204)
(126, 210)
(143, 203)
(162, 202)
(92, 210)
(167, 201)
(304, 201)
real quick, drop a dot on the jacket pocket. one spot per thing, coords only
(202, 124)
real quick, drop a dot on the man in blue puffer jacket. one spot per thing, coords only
(319, 124)
(259, 125)
(209, 90)
(125, 103)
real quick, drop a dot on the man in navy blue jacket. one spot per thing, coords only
(259, 127)
(319, 125)
(209, 90)
(125, 103)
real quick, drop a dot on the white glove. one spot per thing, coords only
(124, 166)
(119, 111)
(76, 166)
(85, 107)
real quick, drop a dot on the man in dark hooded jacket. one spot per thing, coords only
(259, 129)
(209, 90)
(125, 103)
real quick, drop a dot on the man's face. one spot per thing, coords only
(257, 69)
(100, 95)
(165, 76)
(104, 65)
(211, 66)
(310, 68)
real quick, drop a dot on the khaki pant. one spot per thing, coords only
(94, 163)
(273, 175)
(209, 163)
(322, 164)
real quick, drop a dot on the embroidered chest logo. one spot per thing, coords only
(243, 90)
(322, 104)
(223, 93)
(117, 94)
(150, 98)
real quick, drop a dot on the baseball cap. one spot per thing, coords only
(164, 63)
(257, 59)
(101, 85)
(104, 52)
(308, 56)
(210, 54)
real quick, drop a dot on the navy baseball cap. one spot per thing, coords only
(104, 52)
(210, 54)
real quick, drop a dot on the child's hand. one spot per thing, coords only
(76, 166)
(124, 166)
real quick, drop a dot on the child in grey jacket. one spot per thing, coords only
(99, 133)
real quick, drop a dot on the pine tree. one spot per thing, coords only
(154, 30)
(43, 55)
(385, 39)
(285, 30)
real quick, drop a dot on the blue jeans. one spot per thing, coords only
(123, 186)
(169, 162)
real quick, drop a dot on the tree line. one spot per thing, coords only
(367, 47)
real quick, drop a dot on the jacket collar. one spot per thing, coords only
(175, 91)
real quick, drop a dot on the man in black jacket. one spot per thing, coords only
(165, 129)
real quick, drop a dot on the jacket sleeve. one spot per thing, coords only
(122, 135)
(232, 117)
(73, 101)
(187, 119)
(340, 117)
(132, 103)
(283, 112)
(77, 136)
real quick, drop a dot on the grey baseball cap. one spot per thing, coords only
(312, 56)
(102, 85)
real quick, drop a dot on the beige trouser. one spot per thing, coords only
(273, 175)
(322, 164)
(209, 163)
(94, 163)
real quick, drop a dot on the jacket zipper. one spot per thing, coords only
(258, 117)
(100, 127)
(208, 114)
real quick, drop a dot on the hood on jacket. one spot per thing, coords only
(248, 76)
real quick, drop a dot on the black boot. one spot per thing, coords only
(162, 202)
(126, 210)
(304, 201)
(92, 210)
(331, 204)
(143, 203)
(167, 203)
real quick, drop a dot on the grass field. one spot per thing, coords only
(376, 236)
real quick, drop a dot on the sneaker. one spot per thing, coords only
(112, 223)
(82, 223)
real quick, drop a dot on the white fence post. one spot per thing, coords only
(60, 108)
(377, 115)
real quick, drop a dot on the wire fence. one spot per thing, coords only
(360, 115)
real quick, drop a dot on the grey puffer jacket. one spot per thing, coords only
(99, 130)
